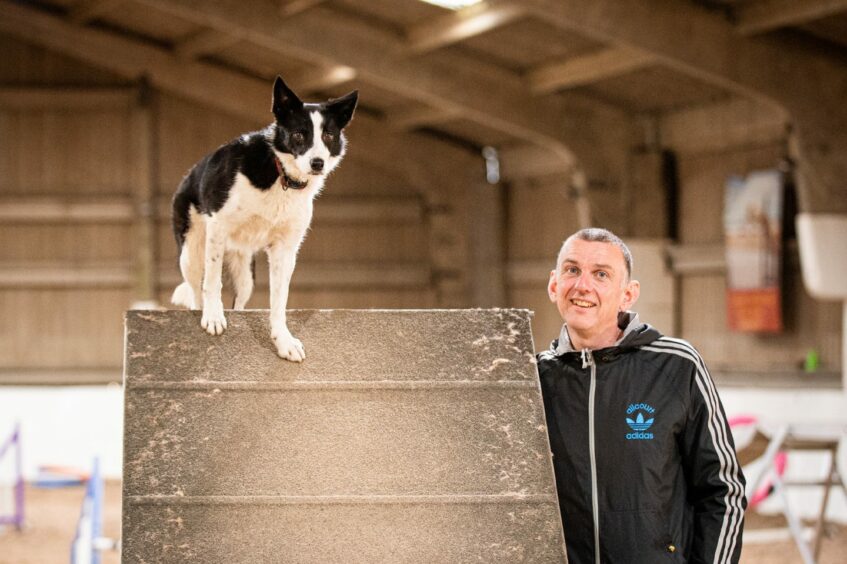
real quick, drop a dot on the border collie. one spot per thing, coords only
(256, 193)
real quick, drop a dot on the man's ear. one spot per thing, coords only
(630, 296)
(342, 108)
(284, 98)
(552, 286)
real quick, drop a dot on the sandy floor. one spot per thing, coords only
(52, 515)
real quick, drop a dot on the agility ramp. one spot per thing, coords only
(405, 436)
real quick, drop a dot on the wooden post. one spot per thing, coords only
(143, 152)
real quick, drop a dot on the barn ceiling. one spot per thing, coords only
(504, 73)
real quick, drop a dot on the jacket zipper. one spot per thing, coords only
(588, 362)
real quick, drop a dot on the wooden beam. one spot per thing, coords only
(86, 10)
(204, 42)
(290, 8)
(585, 69)
(460, 25)
(523, 162)
(65, 210)
(44, 275)
(721, 127)
(697, 259)
(309, 275)
(53, 98)
(323, 78)
(112, 209)
(764, 15)
(60, 376)
(143, 151)
(417, 116)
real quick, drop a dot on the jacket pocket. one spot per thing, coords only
(636, 537)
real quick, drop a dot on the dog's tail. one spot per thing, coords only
(184, 296)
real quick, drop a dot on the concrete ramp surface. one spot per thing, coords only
(405, 436)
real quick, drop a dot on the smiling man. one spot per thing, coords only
(645, 464)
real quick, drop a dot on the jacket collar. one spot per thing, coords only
(633, 333)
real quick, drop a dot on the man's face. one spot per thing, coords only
(590, 287)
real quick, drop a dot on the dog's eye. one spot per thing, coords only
(298, 137)
(328, 137)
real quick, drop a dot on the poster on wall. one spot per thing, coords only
(753, 232)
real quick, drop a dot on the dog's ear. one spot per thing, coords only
(342, 108)
(284, 98)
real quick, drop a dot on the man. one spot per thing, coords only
(645, 463)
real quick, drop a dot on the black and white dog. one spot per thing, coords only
(256, 193)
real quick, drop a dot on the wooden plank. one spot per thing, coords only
(142, 174)
(586, 69)
(724, 126)
(64, 275)
(323, 78)
(64, 376)
(86, 10)
(204, 42)
(347, 275)
(66, 99)
(460, 25)
(411, 117)
(112, 209)
(52, 209)
(761, 16)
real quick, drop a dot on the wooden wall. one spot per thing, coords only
(79, 152)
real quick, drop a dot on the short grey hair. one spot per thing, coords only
(599, 235)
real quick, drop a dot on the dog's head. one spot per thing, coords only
(309, 138)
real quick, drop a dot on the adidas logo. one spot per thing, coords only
(639, 425)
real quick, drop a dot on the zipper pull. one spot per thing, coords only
(587, 358)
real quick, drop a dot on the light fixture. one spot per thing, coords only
(453, 4)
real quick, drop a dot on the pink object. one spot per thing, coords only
(780, 461)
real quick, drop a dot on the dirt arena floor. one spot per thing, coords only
(52, 516)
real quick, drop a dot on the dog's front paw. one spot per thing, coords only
(288, 346)
(213, 320)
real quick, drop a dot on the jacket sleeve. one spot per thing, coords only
(715, 481)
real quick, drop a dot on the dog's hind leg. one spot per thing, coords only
(240, 266)
(191, 260)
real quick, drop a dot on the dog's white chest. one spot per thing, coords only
(254, 219)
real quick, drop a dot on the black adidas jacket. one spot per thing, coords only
(645, 464)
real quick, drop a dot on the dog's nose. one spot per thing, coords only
(317, 165)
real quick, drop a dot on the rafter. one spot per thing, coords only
(585, 69)
(204, 42)
(720, 127)
(765, 15)
(293, 7)
(417, 116)
(324, 78)
(463, 24)
(86, 10)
